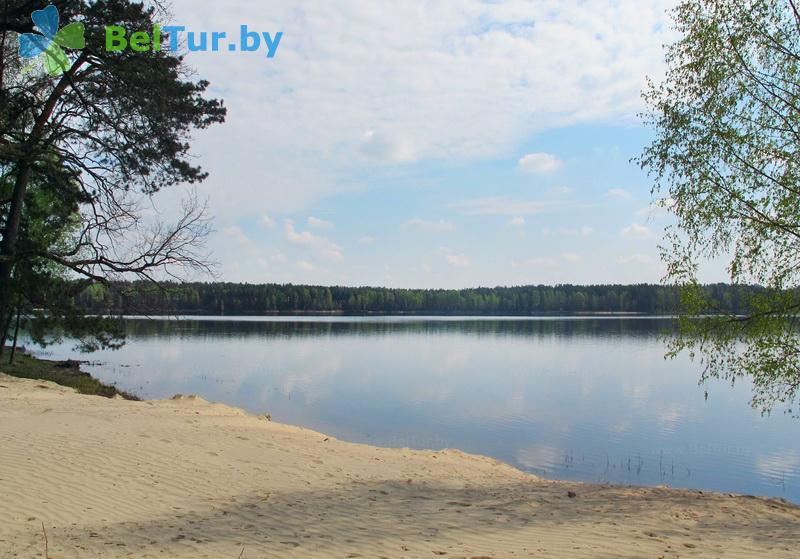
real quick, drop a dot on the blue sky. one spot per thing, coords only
(432, 144)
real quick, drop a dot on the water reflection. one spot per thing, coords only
(373, 326)
(588, 399)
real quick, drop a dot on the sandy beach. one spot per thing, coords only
(186, 478)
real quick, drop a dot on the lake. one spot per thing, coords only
(589, 399)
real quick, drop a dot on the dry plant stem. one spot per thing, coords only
(46, 549)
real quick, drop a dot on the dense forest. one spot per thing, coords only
(243, 298)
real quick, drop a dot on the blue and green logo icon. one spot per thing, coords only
(48, 42)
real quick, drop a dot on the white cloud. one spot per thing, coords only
(242, 257)
(236, 234)
(392, 82)
(618, 194)
(322, 246)
(268, 222)
(305, 265)
(459, 260)
(570, 257)
(318, 223)
(426, 225)
(360, 87)
(583, 231)
(539, 163)
(384, 147)
(535, 262)
(637, 231)
(297, 237)
(504, 206)
(334, 254)
(366, 240)
(635, 259)
(518, 221)
(659, 208)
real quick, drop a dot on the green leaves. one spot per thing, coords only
(86, 152)
(727, 152)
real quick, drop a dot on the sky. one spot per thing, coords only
(436, 143)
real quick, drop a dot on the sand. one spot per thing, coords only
(185, 478)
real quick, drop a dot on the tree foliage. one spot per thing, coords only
(725, 160)
(80, 155)
(242, 299)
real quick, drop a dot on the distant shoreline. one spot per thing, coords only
(162, 313)
(527, 300)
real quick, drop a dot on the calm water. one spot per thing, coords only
(584, 399)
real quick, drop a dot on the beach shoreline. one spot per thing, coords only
(189, 478)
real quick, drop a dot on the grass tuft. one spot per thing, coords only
(65, 373)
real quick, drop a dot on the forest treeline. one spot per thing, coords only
(243, 299)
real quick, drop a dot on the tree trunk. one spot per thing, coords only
(5, 324)
(16, 336)
(21, 186)
(10, 238)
